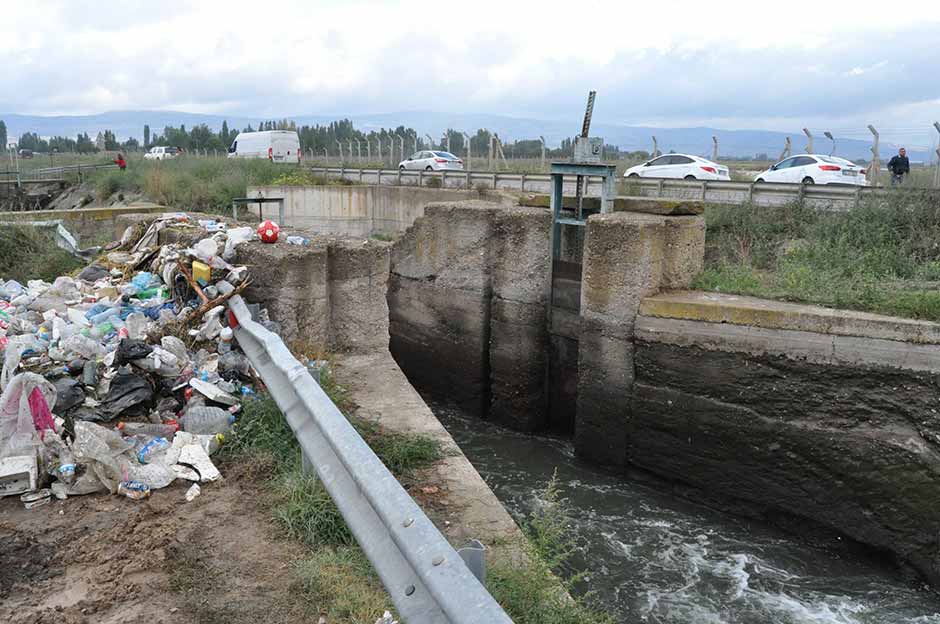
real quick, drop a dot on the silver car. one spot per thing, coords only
(432, 161)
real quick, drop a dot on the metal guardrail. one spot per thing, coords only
(719, 192)
(425, 577)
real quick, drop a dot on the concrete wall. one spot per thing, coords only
(354, 210)
(329, 296)
(87, 223)
(805, 412)
(470, 316)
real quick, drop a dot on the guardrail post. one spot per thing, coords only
(379, 177)
(704, 188)
(858, 196)
(235, 211)
(801, 193)
(360, 174)
(659, 188)
(523, 182)
(444, 178)
(468, 179)
(420, 177)
(398, 179)
(495, 175)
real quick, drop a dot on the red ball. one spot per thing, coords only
(268, 231)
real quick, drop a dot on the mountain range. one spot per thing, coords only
(697, 140)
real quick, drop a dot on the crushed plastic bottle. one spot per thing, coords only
(207, 420)
(66, 470)
(134, 490)
(150, 449)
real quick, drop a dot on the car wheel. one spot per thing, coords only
(690, 177)
(429, 168)
(808, 180)
(760, 180)
(401, 167)
(634, 175)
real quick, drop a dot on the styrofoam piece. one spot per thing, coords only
(18, 474)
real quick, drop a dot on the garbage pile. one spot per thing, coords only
(126, 377)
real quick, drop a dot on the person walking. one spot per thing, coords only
(899, 166)
(120, 162)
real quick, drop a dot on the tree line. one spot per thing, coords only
(316, 138)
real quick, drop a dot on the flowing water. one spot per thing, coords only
(652, 557)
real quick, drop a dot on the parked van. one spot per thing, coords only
(280, 146)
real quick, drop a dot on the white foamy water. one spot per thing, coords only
(654, 558)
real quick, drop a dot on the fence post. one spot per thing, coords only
(936, 173)
(714, 149)
(542, 158)
(875, 166)
(809, 140)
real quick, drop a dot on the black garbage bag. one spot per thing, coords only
(69, 393)
(128, 392)
(130, 349)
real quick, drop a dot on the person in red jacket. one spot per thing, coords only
(120, 162)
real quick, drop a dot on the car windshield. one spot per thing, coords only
(445, 155)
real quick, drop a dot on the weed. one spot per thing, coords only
(867, 259)
(29, 253)
(342, 585)
(528, 589)
(433, 182)
(389, 237)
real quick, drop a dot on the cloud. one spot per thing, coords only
(651, 63)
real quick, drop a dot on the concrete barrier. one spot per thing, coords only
(359, 210)
(89, 222)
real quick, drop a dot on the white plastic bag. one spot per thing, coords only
(17, 432)
(104, 453)
(235, 238)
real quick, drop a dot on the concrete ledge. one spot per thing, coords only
(648, 205)
(754, 312)
(815, 347)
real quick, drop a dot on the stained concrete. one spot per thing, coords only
(329, 295)
(91, 223)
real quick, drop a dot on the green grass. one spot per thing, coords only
(29, 253)
(882, 257)
(338, 580)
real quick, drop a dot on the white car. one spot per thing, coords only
(814, 169)
(679, 166)
(432, 161)
(162, 153)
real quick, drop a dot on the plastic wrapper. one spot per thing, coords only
(25, 394)
(105, 454)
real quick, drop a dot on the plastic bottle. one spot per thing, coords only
(225, 340)
(100, 317)
(166, 430)
(207, 420)
(148, 450)
(66, 470)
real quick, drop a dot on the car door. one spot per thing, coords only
(656, 167)
(680, 166)
(803, 167)
(779, 172)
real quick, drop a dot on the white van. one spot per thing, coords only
(280, 146)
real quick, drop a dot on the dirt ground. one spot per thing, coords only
(107, 559)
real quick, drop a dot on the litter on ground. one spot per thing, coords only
(126, 377)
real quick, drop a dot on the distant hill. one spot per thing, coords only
(127, 124)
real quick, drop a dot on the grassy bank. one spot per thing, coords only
(337, 579)
(201, 184)
(883, 257)
(29, 253)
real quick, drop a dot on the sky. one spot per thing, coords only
(758, 64)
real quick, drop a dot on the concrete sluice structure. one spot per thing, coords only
(802, 416)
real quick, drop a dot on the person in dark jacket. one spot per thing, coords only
(120, 162)
(899, 166)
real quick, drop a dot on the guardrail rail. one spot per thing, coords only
(425, 577)
(710, 191)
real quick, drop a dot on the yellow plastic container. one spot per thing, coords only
(201, 273)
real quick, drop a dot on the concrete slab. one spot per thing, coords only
(741, 310)
(383, 394)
